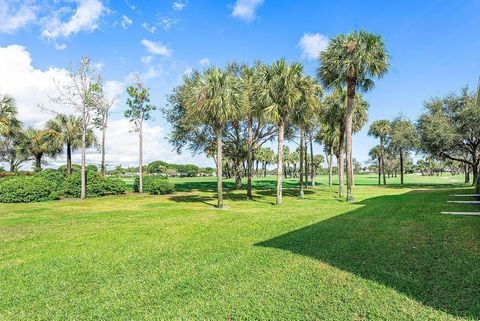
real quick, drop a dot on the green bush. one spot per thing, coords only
(53, 175)
(96, 185)
(114, 186)
(154, 185)
(25, 189)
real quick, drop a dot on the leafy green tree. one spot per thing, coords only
(448, 128)
(402, 139)
(352, 61)
(281, 91)
(67, 129)
(381, 129)
(8, 116)
(139, 110)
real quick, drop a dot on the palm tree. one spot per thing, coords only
(376, 154)
(8, 116)
(212, 98)
(281, 91)
(67, 129)
(333, 118)
(39, 143)
(352, 60)
(328, 137)
(380, 129)
(304, 116)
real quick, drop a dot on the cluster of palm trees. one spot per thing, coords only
(19, 144)
(263, 101)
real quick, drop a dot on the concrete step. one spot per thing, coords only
(466, 195)
(462, 213)
(465, 202)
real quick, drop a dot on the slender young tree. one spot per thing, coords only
(281, 91)
(402, 139)
(381, 129)
(139, 109)
(376, 154)
(352, 60)
(79, 95)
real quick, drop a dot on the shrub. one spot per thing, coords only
(154, 185)
(96, 185)
(114, 186)
(25, 189)
(55, 176)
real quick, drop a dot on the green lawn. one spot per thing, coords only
(389, 256)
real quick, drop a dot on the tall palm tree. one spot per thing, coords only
(40, 143)
(304, 115)
(380, 129)
(67, 129)
(328, 137)
(352, 60)
(212, 98)
(281, 91)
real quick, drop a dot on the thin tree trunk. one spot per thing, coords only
(379, 170)
(103, 169)
(352, 169)
(83, 192)
(340, 173)
(256, 168)
(305, 165)
(467, 173)
(280, 163)
(250, 156)
(401, 166)
(140, 158)
(330, 167)
(219, 168)
(69, 159)
(302, 137)
(383, 160)
(313, 168)
(238, 173)
(348, 145)
(12, 165)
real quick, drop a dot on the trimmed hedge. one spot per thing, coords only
(155, 185)
(25, 189)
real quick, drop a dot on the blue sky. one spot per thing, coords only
(434, 48)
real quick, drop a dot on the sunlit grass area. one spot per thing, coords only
(390, 255)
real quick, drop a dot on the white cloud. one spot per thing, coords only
(126, 22)
(204, 61)
(85, 18)
(28, 85)
(246, 9)
(157, 48)
(149, 28)
(146, 59)
(14, 18)
(312, 44)
(178, 5)
(167, 22)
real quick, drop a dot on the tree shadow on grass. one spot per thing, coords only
(211, 186)
(404, 243)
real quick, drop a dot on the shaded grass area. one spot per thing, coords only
(390, 256)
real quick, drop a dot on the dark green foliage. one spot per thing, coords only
(96, 185)
(55, 176)
(25, 189)
(155, 185)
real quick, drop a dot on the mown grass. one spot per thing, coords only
(389, 256)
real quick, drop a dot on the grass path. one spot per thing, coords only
(389, 256)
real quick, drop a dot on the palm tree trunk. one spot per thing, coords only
(69, 159)
(280, 163)
(313, 168)
(348, 133)
(305, 166)
(401, 166)
(250, 156)
(340, 165)
(302, 136)
(383, 160)
(38, 162)
(352, 169)
(140, 158)
(219, 167)
(379, 170)
(330, 166)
